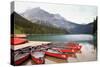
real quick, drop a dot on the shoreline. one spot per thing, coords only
(30, 43)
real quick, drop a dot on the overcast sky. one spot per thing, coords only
(80, 14)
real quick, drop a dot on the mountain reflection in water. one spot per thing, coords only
(53, 37)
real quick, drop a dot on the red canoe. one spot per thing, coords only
(65, 50)
(17, 41)
(56, 54)
(38, 57)
(22, 58)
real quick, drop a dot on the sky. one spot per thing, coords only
(81, 14)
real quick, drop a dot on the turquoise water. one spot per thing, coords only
(79, 37)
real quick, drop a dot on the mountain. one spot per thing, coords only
(56, 20)
(24, 26)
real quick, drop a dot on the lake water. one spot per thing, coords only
(75, 37)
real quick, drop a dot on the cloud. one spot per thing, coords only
(80, 14)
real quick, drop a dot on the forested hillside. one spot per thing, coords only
(24, 26)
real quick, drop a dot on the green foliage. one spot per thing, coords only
(23, 26)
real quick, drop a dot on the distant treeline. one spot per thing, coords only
(24, 26)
